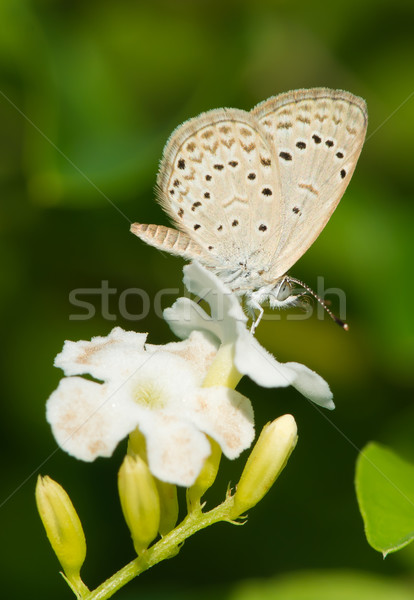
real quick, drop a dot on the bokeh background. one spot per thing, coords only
(89, 92)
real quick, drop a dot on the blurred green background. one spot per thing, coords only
(90, 91)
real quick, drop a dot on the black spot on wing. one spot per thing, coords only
(285, 155)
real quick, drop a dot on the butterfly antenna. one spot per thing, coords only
(341, 323)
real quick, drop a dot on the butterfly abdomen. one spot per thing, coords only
(167, 239)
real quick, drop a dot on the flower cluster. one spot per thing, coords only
(157, 389)
(177, 405)
(167, 391)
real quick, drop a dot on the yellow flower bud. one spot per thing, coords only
(63, 527)
(168, 505)
(265, 463)
(139, 501)
(206, 477)
(137, 444)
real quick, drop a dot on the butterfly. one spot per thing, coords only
(249, 192)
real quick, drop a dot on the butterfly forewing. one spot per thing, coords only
(317, 136)
(218, 181)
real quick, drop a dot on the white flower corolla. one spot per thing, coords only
(227, 322)
(155, 388)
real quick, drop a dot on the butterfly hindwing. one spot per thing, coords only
(218, 182)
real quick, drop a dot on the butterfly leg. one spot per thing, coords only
(256, 306)
(232, 276)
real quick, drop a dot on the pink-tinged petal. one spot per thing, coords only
(176, 449)
(198, 351)
(88, 419)
(311, 385)
(105, 358)
(226, 416)
(161, 382)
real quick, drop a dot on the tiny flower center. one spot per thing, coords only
(149, 395)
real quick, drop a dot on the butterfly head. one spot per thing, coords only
(279, 294)
(282, 294)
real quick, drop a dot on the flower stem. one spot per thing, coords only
(76, 585)
(165, 548)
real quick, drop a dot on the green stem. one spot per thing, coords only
(76, 584)
(165, 548)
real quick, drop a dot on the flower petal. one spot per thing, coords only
(162, 381)
(88, 419)
(226, 416)
(228, 324)
(185, 316)
(226, 312)
(311, 385)
(198, 351)
(116, 355)
(252, 359)
(176, 449)
(225, 307)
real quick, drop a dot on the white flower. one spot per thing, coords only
(228, 323)
(155, 388)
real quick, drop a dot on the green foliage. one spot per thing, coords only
(336, 585)
(385, 490)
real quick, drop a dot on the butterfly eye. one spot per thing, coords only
(284, 291)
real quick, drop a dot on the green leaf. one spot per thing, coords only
(385, 492)
(324, 585)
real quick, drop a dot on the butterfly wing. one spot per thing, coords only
(218, 183)
(317, 136)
